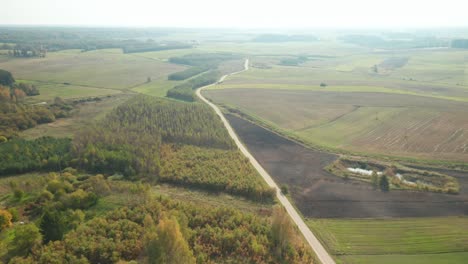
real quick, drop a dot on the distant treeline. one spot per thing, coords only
(460, 43)
(31, 42)
(185, 91)
(374, 41)
(294, 61)
(185, 74)
(201, 62)
(211, 60)
(152, 46)
(284, 38)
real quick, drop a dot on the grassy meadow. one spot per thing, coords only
(407, 240)
(74, 74)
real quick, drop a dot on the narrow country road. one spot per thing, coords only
(319, 250)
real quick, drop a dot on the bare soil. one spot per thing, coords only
(320, 194)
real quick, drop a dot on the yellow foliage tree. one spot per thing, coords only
(5, 219)
(165, 243)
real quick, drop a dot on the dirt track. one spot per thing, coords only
(317, 193)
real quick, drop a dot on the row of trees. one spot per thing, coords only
(200, 62)
(46, 153)
(185, 91)
(460, 43)
(209, 60)
(187, 73)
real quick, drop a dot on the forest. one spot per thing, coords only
(61, 226)
(185, 74)
(180, 143)
(284, 38)
(67, 215)
(30, 42)
(45, 153)
(460, 43)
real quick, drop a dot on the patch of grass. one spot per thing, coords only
(48, 91)
(442, 258)
(158, 87)
(98, 69)
(84, 115)
(400, 125)
(346, 238)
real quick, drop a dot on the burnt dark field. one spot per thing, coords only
(320, 194)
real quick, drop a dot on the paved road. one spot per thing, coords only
(320, 251)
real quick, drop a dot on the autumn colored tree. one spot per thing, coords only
(5, 219)
(4, 94)
(18, 95)
(166, 244)
(282, 232)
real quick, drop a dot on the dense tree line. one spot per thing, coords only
(152, 46)
(112, 148)
(210, 60)
(284, 38)
(36, 42)
(63, 228)
(294, 61)
(185, 74)
(214, 170)
(460, 43)
(185, 91)
(375, 41)
(177, 122)
(46, 153)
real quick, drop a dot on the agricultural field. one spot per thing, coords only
(317, 193)
(74, 74)
(406, 240)
(382, 123)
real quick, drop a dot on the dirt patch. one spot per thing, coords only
(318, 193)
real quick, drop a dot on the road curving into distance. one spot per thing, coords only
(319, 250)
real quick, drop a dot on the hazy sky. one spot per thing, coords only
(238, 13)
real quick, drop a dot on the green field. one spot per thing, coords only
(74, 74)
(412, 104)
(409, 240)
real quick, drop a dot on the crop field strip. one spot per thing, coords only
(371, 122)
(407, 240)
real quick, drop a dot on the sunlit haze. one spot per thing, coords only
(237, 14)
